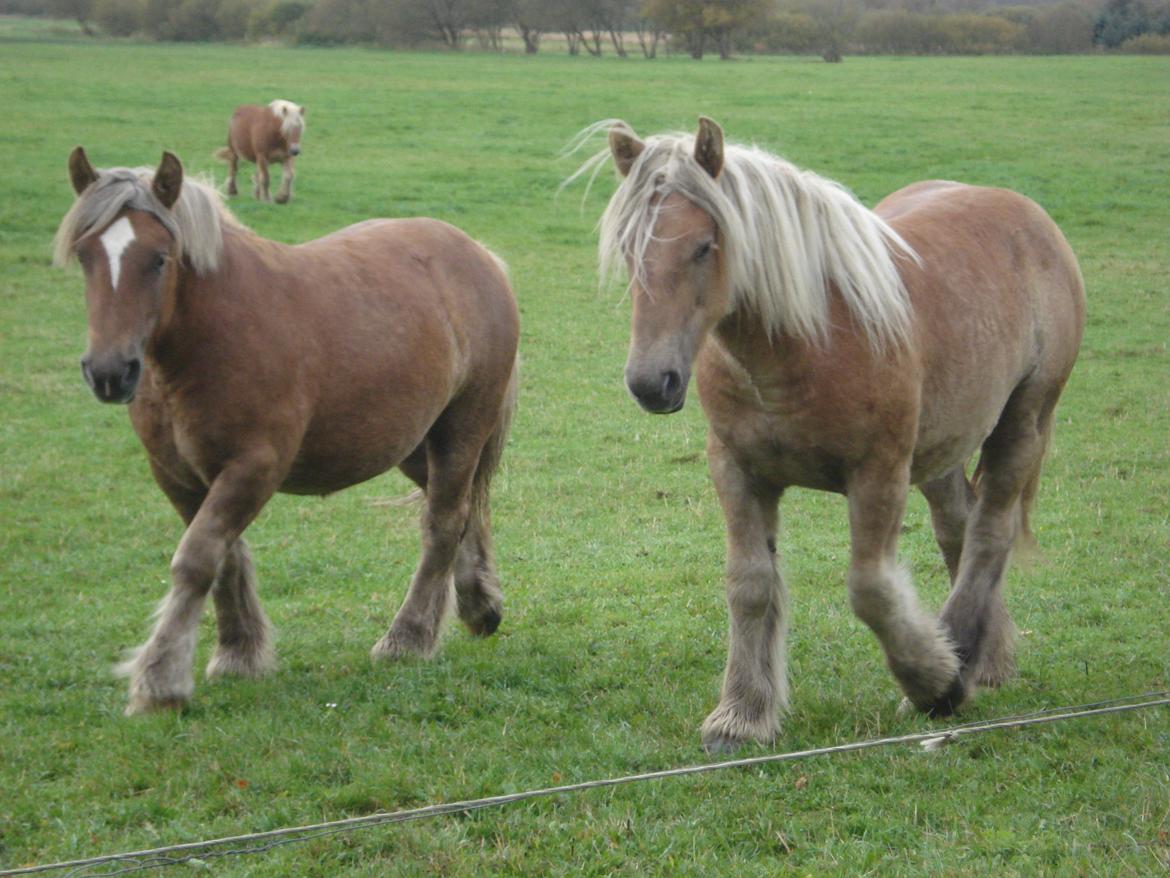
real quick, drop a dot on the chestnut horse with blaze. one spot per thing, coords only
(855, 351)
(252, 367)
(264, 135)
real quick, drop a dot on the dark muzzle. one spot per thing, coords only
(112, 379)
(661, 392)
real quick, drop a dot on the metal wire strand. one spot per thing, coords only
(259, 842)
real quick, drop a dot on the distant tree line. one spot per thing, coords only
(831, 28)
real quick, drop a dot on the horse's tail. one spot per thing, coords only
(493, 451)
(1025, 546)
(224, 153)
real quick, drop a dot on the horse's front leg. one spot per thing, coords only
(260, 186)
(918, 650)
(286, 181)
(160, 670)
(755, 682)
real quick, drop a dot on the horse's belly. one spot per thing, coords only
(326, 474)
(338, 452)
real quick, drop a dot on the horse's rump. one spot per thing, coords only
(998, 305)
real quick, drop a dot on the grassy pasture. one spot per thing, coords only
(609, 536)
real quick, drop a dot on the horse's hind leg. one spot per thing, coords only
(479, 600)
(244, 640)
(917, 648)
(233, 169)
(975, 612)
(478, 597)
(451, 460)
(950, 497)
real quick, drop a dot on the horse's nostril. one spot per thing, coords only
(87, 372)
(132, 371)
(671, 382)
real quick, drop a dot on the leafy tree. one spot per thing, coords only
(1123, 20)
(79, 10)
(1060, 30)
(532, 18)
(700, 23)
(649, 33)
(487, 19)
(337, 21)
(119, 18)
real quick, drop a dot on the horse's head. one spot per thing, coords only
(672, 247)
(127, 250)
(292, 123)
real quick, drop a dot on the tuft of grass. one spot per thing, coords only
(609, 537)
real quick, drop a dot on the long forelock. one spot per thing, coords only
(786, 237)
(196, 220)
(291, 120)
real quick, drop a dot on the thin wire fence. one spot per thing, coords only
(196, 853)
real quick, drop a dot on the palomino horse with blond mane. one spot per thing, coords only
(855, 351)
(264, 135)
(253, 367)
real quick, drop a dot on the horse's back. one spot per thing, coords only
(988, 250)
(419, 247)
(252, 130)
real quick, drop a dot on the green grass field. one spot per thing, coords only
(609, 537)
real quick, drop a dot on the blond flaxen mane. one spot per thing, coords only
(291, 115)
(196, 220)
(788, 236)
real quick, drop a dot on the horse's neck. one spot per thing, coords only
(743, 337)
(192, 303)
(780, 357)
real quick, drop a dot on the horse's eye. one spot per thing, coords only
(158, 263)
(703, 251)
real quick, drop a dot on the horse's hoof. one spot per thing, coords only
(481, 616)
(248, 663)
(485, 624)
(725, 731)
(401, 642)
(282, 199)
(139, 704)
(949, 702)
(721, 745)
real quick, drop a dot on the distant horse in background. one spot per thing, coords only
(253, 367)
(263, 135)
(854, 351)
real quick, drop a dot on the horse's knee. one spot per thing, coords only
(752, 590)
(194, 566)
(874, 593)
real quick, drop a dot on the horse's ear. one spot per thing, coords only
(81, 172)
(709, 146)
(168, 180)
(625, 146)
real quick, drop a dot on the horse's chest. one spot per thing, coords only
(782, 436)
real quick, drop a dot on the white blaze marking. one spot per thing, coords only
(116, 239)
